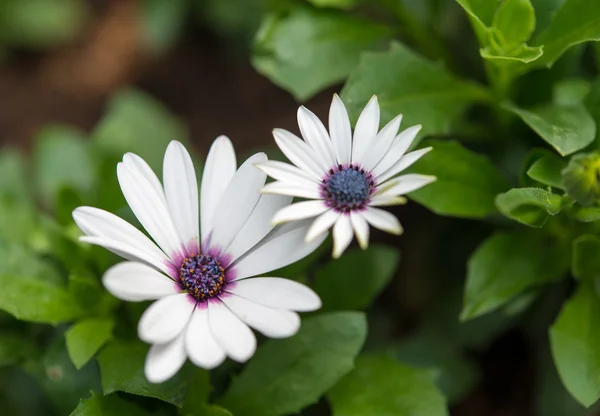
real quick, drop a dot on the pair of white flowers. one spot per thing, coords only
(199, 265)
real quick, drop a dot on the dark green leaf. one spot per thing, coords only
(307, 49)
(529, 206)
(286, 375)
(547, 170)
(506, 265)
(379, 385)
(582, 178)
(122, 369)
(566, 128)
(86, 337)
(575, 343)
(466, 184)
(196, 399)
(370, 270)
(586, 258)
(425, 92)
(99, 405)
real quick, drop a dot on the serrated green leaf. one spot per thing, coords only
(586, 261)
(380, 385)
(507, 264)
(86, 337)
(287, 375)
(566, 128)
(99, 405)
(466, 184)
(513, 24)
(337, 281)
(308, 49)
(548, 170)
(122, 369)
(424, 92)
(529, 206)
(581, 178)
(575, 343)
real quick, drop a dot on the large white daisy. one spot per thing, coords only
(345, 176)
(205, 302)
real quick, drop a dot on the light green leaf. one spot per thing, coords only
(571, 91)
(566, 128)
(287, 375)
(86, 337)
(307, 49)
(529, 206)
(481, 14)
(507, 264)
(466, 184)
(581, 178)
(575, 342)
(586, 261)
(547, 170)
(425, 92)
(521, 54)
(340, 4)
(586, 214)
(380, 385)
(122, 369)
(513, 24)
(337, 281)
(99, 405)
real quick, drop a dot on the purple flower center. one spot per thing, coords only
(347, 188)
(202, 276)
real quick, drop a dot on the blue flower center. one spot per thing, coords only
(347, 188)
(202, 276)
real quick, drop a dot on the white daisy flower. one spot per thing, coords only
(205, 302)
(345, 176)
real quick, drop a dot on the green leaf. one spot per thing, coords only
(581, 178)
(571, 92)
(340, 4)
(86, 337)
(513, 24)
(547, 170)
(507, 264)
(287, 375)
(196, 400)
(575, 342)
(122, 369)
(337, 281)
(586, 214)
(566, 128)
(99, 405)
(466, 184)
(529, 206)
(521, 54)
(17, 260)
(379, 385)
(586, 261)
(162, 23)
(306, 50)
(425, 92)
(481, 14)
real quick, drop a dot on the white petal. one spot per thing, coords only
(285, 172)
(200, 344)
(149, 207)
(300, 211)
(340, 130)
(238, 202)
(320, 226)
(403, 163)
(136, 282)
(99, 223)
(404, 184)
(383, 220)
(234, 336)
(382, 143)
(299, 153)
(400, 145)
(342, 235)
(386, 200)
(258, 224)
(274, 323)
(282, 246)
(165, 318)
(292, 189)
(278, 293)
(181, 191)
(165, 360)
(315, 134)
(219, 169)
(366, 129)
(138, 164)
(361, 229)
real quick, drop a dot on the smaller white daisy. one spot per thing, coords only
(345, 177)
(205, 301)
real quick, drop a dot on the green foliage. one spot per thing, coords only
(581, 178)
(529, 206)
(379, 385)
(98, 405)
(86, 337)
(547, 170)
(586, 262)
(286, 375)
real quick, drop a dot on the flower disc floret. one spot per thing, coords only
(202, 276)
(347, 188)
